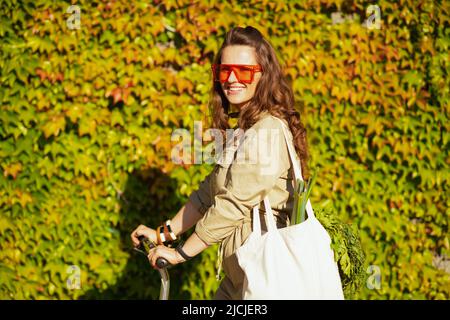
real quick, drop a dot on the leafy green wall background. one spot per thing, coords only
(87, 114)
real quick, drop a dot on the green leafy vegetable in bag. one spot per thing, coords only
(348, 252)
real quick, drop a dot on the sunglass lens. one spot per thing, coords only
(224, 73)
(243, 74)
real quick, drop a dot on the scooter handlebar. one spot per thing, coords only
(148, 244)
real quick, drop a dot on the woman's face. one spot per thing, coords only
(239, 54)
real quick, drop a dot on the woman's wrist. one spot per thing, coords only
(179, 257)
(181, 252)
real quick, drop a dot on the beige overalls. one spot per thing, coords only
(227, 195)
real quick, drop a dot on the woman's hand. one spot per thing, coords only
(143, 231)
(170, 254)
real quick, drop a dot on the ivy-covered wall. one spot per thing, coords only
(88, 104)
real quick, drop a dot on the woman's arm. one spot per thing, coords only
(192, 247)
(199, 201)
(183, 221)
(185, 218)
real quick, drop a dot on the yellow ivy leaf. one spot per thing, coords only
(12, 170)
(87, 126)
(54, 126)
(24, 198)
(94, 261)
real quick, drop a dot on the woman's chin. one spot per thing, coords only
(235, 100)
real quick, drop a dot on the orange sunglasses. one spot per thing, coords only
(244, 72)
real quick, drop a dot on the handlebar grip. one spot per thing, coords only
(149, 244)
(162, 263)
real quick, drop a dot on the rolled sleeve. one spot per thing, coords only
(201, 198)
(261, 159)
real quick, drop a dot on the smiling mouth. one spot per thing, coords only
(235, 89)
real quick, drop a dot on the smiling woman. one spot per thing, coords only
(248, 84)
(247, 81)
(238, 74)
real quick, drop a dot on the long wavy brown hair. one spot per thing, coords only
(273, 93)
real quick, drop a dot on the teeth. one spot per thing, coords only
(235, 89)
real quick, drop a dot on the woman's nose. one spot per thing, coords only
(232, 77)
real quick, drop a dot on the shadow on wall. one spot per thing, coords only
(149, 198)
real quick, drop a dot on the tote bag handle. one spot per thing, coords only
(270, 223)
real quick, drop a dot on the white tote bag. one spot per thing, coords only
(291, 263)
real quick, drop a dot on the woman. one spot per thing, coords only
(248, 84)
